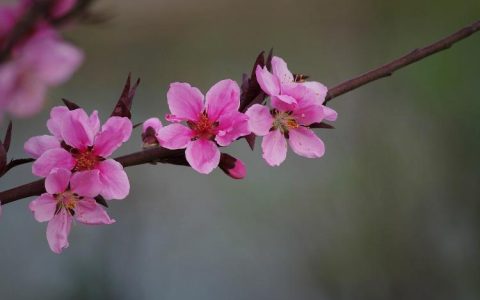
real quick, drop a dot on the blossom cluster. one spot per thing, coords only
(40, 60)
(75, 161)
(75, 158)
(296, 105)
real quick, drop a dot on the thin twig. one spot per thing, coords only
(164, 155)
(414, 56)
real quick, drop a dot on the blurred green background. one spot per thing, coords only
(391, 212)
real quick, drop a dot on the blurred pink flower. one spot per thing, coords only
(217, 121)
(58, 9)
(43, 61)
(68, 196)
(289, 122)
(78, 144)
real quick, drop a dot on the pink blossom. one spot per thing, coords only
(284, 87)
(289, 122)
(69, 196)
(78, 144)
(215, 122)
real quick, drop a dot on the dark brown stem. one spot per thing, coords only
(156, 154)
(172, 156)
(415, 55)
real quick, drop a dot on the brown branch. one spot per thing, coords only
(175, 156)
(410, 58)
(151, 155)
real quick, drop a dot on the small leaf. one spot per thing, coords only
(250, 87)
(8, 137)
(251, 140)
(100, 200)
(269, 60)
(321, 125)
(3, 160)
(124, 104)
(70, 104)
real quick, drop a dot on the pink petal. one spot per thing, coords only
(231, 127)
(43, 207)
(87, 211)
(222, 98)
(308, 111)
(37, 145)
(185, 101)
(54, 124)
(174, 136)
(94, 122)
(305, 142)
(280, 70)
(267, 81)
(53, 60)
(203, 155)
(283, 103)
(28, 96)
(155, 123)
(62, 7)
(330, 114)
(77, 129)
(115, 132)
(53, 158)
(57, 181)
(294, 90)
(274, 147)
(318, 89)
(260, 119)
(86, 183)
(8, 17)
(58, 230)
(115, 184)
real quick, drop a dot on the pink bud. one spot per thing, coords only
(233, 167)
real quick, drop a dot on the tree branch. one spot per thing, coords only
(414, 56)
(171, 156)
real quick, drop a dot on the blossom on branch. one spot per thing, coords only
(215, 122)
(79, 144)
(296, 106)
(69, 196)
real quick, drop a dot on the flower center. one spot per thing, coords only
(68, 201)
(203, 128)
(86, 160)
(284, 121)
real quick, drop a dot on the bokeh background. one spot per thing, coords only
(391, 212)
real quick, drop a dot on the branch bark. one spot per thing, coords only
(166, 156)
(414, 56)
